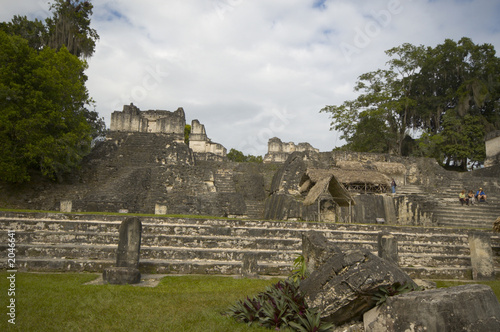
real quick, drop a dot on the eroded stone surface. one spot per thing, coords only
(472, 308)
(342, 288)
(129, 244)
(316, 250)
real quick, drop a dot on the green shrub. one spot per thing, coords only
(299, 271)
(280, 306)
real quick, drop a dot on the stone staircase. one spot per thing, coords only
(255, 209)
(223, 181)
(84, 242)
(447, 210)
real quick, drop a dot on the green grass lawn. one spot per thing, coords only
(61, 302)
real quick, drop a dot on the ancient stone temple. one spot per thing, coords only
(132, 119)
(200, 143)
(278, 151)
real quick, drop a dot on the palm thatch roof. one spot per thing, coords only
(325, 182)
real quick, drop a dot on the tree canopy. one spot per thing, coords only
(45, 123)
(449, 95)
(238, 156)
(69, 26)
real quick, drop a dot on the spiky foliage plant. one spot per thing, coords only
(279, 306)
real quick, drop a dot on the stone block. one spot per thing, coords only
(316, 250)
(481, 256)
(160, 209)
(342, 288)
(472, 308)
(121, 275)
(129, 244)
(388, 247)
(250, 266)
(65, 206)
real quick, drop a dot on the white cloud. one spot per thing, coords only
(253, 69)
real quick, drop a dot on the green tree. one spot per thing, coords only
(371, 135)
(458, 97)
(235, 155)
(70, 27)
(187, 132)
(238, 156)
(44, 120)
(34, 32)
(462, 139)
(417, 92)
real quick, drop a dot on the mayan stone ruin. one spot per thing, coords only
(144, 166)
(190, 210)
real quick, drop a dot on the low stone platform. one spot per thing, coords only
(85, 242)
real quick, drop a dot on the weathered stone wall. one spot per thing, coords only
(200, 143)
(132, 119)
(492, 142)
(279, 151)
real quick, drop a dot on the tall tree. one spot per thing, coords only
(436, 91)
(43, 118)
(458, 94)
(70, 27)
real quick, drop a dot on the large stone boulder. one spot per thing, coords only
(342, 288)
(316, 250)
(472, 308)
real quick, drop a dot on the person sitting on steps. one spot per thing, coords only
(463, 198)
(480, 195)
(470, 197)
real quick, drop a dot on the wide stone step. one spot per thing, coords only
(423, 272)
(194, 236)
(48, 264)
(218, 246)
(166, 234)
(458, 224)
(433, 248)
(433, 260)
(64, 251)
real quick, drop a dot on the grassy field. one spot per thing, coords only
(61, 302)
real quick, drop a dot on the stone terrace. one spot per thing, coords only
(84, 242)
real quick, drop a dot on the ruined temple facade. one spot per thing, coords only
(200, 143)
(144, 166)
(133, 120)
(278, 151)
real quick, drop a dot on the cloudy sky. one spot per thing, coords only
(254, 69)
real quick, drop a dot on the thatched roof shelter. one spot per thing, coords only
(323, 181)
(340, 181)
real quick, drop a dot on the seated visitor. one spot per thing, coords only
(480, 195)
(470, 197)
(463, 198)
